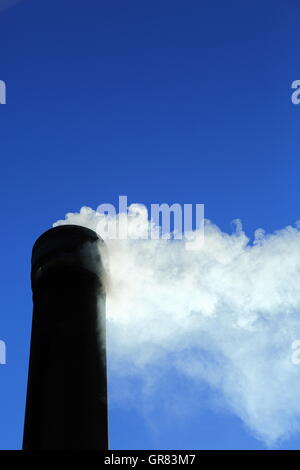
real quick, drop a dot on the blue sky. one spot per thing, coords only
(164, 101)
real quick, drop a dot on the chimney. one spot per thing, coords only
(66, 406)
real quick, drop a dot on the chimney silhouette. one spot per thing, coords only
(66, 406)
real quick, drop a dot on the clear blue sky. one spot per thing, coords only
(165, 101)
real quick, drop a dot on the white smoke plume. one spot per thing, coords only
(224, 316)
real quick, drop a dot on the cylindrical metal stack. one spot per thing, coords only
(66, 405)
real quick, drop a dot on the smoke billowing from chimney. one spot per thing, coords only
(224, 316)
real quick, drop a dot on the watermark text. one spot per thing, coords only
(2, 352)
(176, 221)
(2, 92)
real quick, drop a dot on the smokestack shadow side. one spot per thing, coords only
(66, 406)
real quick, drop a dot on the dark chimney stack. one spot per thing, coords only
(66, 404)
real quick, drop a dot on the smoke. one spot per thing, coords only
(224, 316)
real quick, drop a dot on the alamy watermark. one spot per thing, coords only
(2, 92)
(177, 222)
(295, 97)
(296, 354)
(2, 352)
